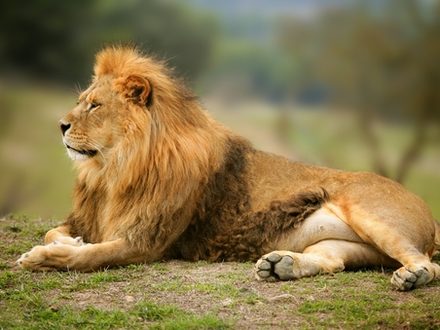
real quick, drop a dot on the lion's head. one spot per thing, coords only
(119, 98)
(136, 118)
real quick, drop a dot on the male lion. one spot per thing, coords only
(158, 178)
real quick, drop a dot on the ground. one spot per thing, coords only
(182, 295)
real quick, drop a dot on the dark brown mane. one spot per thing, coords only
(224, 228)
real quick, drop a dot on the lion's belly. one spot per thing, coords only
(321, 225)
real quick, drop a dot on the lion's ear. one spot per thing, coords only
(138, 90)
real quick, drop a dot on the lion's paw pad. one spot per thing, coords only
(273, 267)
(405, 279)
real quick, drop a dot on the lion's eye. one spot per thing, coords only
(93, 106)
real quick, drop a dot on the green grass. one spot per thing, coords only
(6, 279)
(92, 281)
(146, 314)
(370, 309)
(366, 302)
(175, 318)
(25, 304)
(198, 295)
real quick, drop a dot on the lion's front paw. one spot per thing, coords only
(277, 265)
(47, 257)
(34, 259)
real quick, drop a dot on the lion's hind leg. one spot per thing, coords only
(328, 256)
(405, 234)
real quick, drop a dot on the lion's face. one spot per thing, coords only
(97, 122)
(90, 127)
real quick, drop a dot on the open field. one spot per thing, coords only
(184, 295)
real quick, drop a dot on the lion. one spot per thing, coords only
(158, 178)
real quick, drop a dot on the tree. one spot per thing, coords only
(381, 59)
(58, 39)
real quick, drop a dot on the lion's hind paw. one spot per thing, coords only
(274, 267)
(405, 279)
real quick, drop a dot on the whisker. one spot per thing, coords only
(77, 88)
(98, 147)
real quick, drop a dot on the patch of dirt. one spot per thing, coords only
(230, 293)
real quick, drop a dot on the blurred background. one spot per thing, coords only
(348, 84)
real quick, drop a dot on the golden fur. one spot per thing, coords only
(158, 178)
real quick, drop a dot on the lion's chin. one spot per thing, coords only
(80, 155)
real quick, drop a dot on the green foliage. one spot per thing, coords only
(58, 39)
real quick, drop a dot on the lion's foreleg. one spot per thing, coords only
(82, 258)
(62, 235)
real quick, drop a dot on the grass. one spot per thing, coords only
(369, 308)
(183, 295)
(145, 314)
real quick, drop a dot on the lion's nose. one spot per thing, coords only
(64, 127)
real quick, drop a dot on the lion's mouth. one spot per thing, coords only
(88, 153)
